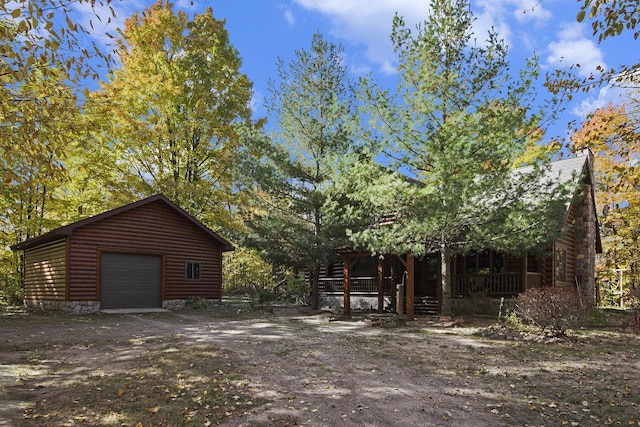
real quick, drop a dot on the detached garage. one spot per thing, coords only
(148, 254)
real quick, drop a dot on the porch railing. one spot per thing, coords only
(358, 285)
(491, 285)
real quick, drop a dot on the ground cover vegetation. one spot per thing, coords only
(459, 112)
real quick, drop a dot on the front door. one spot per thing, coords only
(427, 276)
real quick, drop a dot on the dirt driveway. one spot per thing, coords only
(236, 367)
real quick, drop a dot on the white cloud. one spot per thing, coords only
(525, 11)
(99, 19)
(500, 15)
(257, 101)
(605, 96)
(572, 48)
(368, 23)
(288, 16)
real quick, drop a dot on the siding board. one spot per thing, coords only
(153, 228)
(45, 272)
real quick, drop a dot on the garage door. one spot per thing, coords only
(130, 281)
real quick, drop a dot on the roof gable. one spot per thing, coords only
(67, 230)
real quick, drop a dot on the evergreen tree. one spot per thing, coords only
(313, 105)
(449, 139)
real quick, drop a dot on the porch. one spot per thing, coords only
(494, 285)
(357, 285)
(490, 285)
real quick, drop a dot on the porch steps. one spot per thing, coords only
(426, 306)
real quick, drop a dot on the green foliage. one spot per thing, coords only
(516, 322)
(11, 292)
(552, 309)
(313, 106)
(244, 271)
(457, 125)
(293, 289)
(175, 105)
(197, 303)
(610, 18)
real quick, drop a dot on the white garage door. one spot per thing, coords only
(130, 281)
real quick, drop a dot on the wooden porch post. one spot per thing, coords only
(410, 286)
(346, 285)
(380, 287)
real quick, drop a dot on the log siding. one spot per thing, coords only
(63, 267)
(45, 272)
(153, 229)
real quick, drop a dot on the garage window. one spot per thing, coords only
(192, 270)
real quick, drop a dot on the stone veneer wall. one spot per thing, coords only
(586, 224)
(69, 307)
(82, 307)
(173, 304)
(43, 305)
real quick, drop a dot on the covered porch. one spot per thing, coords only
(409, 282)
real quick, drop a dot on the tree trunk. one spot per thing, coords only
(315, 297)
(445, 280)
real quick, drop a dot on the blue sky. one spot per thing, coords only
(263, 30)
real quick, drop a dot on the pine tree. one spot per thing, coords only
(449, 138)
(313, 105)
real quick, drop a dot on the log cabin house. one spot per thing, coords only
(410, 285)
(147, 254)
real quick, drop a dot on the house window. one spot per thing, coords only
(561, 264)
(192, 270)
(484, 262)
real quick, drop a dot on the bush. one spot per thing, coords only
(11, 292)
(197, 303)
(294, 289)
(552, 309)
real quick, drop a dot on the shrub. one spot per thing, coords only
(294, 288)
(11, 292)
(552, 309)
(197, 303)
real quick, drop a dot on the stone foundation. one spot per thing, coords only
(42, 305)
(173, 304)
(82, 307)
(88, 307)
(69, 307)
